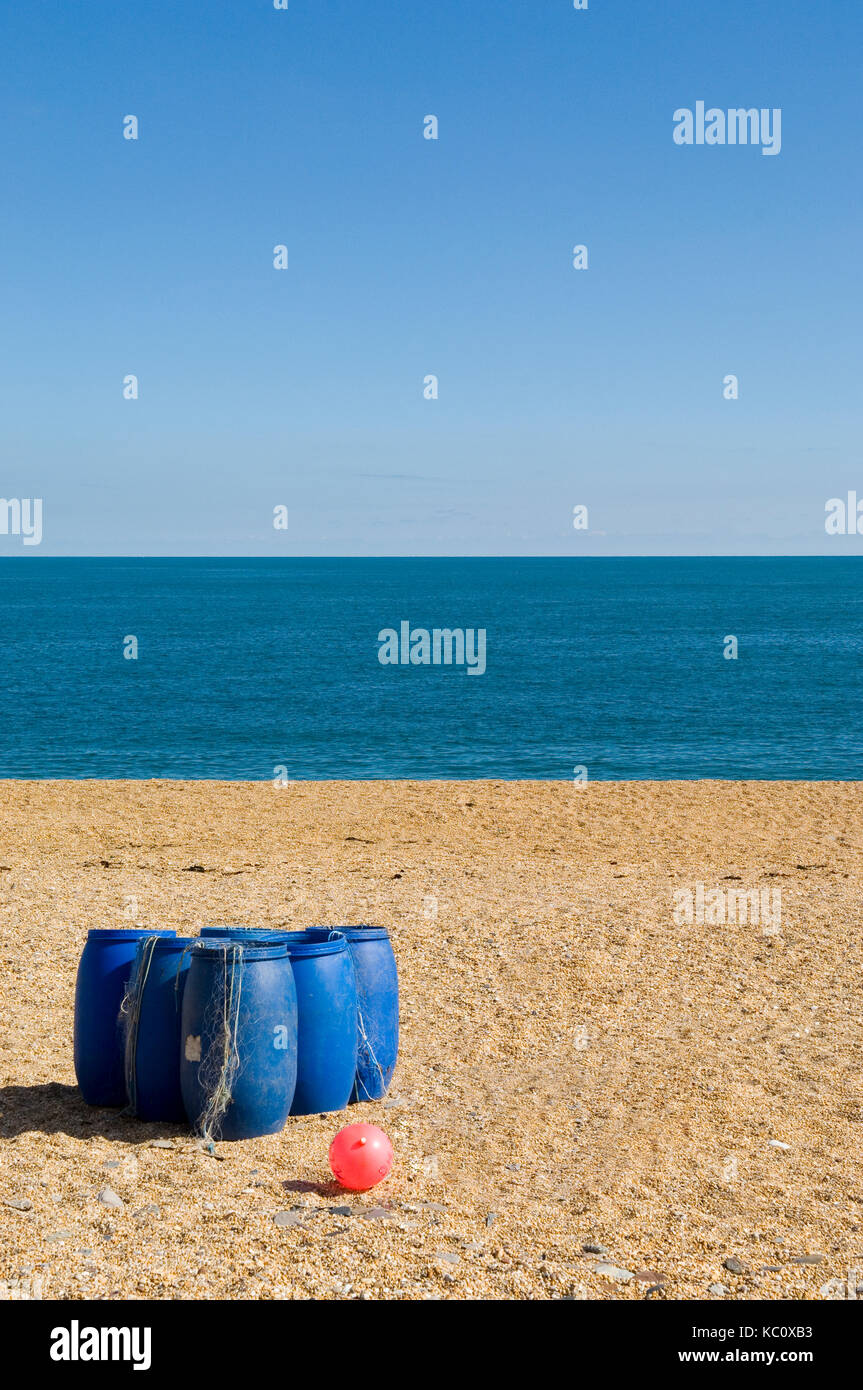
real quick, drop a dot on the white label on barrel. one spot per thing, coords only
(193, 1049)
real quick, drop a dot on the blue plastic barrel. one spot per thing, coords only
(238, 1060)
(377, 1009)
(103, 974)
(152, 1020)
(326, 994)
(327, 1014)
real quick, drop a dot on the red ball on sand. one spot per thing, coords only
(361, 1156)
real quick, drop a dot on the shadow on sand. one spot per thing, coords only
(55, 1109)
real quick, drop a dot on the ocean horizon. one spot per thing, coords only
(559, 668)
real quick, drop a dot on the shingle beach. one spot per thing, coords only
(628, 1068)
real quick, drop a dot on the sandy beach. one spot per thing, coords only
(615, 1033)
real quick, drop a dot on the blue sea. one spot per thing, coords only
(254, 669)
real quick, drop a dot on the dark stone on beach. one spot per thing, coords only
(733, 1265)
(341, 1211)
(594, 1249)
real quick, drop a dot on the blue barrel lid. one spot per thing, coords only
(362, 932)
(315, 941)
(123, 933)
(256, 949)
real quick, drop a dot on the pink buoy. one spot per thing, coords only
(361, 1156)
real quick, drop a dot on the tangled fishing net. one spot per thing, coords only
(366, 1061)
(130, 1017)
(130, 1011)
(220, 1065)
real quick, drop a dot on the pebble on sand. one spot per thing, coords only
(288, 1218)
(615, 1272)
(109, 1198)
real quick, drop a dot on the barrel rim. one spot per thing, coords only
(240, 933)
(360, 931)
(252, 950)
(300, 944)
(223, 928)
(126, 933)
(168, 943)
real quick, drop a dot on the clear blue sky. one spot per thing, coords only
(408, 257)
